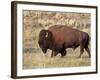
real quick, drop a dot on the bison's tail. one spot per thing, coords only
(88, 41)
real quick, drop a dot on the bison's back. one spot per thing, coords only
(63, 34)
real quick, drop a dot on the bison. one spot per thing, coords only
(60, 37)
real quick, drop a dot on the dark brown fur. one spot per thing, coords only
(60, 37)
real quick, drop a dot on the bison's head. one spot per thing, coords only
(45, 39)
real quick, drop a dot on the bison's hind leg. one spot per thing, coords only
(88, 50)
(81, 50)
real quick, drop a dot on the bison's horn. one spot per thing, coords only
(46, 34)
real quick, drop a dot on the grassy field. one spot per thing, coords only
(40, 60)
(34, 21)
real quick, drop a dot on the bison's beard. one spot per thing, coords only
(44, 50)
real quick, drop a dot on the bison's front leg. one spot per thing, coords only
(81, 50)
(63, 53)
(53, 53)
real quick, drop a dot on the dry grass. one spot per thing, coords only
(40, 60)
(34, 21)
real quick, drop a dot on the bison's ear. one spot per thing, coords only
(47, 34)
